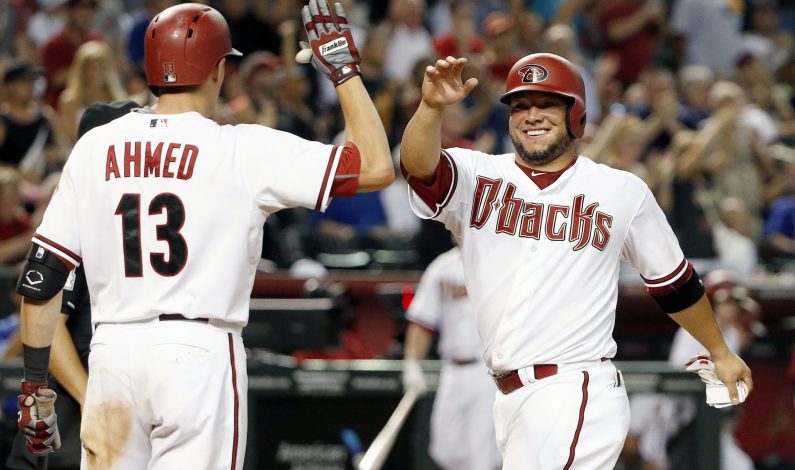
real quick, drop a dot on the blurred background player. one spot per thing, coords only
(462, 426)
(656, 418)
(71, 343)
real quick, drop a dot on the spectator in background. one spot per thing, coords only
(501, 50)
(529, 30)
(765, 36)
(27, 140)
(695, 81)
(560, 39)
(779, 231)
(16, 224)
(409, 40)
(708, 32)
(462, 40)
(248, 29)
(260, 74)
(135, 39)
(57, 54)
(631, 31)
(46, 22)
(92, 77)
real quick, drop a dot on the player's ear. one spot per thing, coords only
(219, 71)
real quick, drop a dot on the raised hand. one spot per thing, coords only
(442, 84)
(333, 50)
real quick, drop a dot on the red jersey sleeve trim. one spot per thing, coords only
(335, 151)
(346, 179)
(438, 193)
(671, 282)
(70, 259)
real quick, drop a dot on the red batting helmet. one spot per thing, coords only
(553, 74)
(183, 43)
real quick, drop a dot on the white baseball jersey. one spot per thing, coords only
(167, 211)
(441, 304)
(542, 265)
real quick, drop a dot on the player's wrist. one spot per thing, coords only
(36, 361)
(719, 353)
(345, 73)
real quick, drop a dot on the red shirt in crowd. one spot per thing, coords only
(57, 54)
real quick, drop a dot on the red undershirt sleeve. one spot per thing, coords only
(434, 193)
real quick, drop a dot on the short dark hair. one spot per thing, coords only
(165, 90)
(21, 71)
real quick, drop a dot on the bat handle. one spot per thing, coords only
(45, 404)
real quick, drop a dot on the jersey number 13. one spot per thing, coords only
(129, 209)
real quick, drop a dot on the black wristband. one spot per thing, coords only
(36, 362)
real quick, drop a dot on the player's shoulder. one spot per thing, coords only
(475, 158)
(609, 176)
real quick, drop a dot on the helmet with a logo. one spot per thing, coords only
(553, 74)
(183, 43)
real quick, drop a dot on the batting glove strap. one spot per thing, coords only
(333, 51)
(30, 388)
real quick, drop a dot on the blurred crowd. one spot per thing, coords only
(695, 97)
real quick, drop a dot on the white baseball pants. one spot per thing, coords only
(576, 419)
(164, 395)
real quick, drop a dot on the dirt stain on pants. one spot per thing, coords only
(105, 430)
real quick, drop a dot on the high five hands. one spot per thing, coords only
(442, 84)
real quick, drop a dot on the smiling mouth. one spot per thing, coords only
(535, 132)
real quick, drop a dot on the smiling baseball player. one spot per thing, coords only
(165, 208)
(543, 231)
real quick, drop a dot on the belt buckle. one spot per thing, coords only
(498, 379)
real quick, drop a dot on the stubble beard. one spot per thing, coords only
(545, 155)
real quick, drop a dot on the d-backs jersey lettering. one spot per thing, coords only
(541, 265)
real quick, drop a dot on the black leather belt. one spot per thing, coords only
(178, 316)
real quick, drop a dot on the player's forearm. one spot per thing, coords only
(364, 128)
(699, 321)
(418, 342)
(37, 321)
(422, 142)
(65, 364)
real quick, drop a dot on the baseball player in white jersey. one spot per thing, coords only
(462, 428)
(543, 231)
(165, 209)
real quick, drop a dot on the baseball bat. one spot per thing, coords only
(45, 404)
(379, 450)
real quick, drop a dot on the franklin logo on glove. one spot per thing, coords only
(333, 46)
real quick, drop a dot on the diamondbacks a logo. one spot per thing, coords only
(169, 75)
(333, 46)
(533, 73)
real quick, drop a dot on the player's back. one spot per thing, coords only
(167, 223)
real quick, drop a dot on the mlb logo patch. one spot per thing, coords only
(159, 123)
(40, 253)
